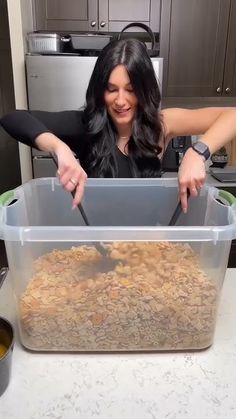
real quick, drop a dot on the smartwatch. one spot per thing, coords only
(201, 149)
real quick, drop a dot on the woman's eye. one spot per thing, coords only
(130, 90)
(111, 89)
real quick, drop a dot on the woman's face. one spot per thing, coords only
(120, 98)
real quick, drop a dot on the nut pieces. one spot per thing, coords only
(158, 300)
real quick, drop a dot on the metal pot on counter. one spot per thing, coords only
(46, 43)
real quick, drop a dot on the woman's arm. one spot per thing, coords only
(216, 126)
(26, 126)
(57, 132)
(70, 172)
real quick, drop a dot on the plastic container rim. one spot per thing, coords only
(108, 233)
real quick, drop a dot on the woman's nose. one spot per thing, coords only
(120, 99)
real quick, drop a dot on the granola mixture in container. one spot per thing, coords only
(159, 299)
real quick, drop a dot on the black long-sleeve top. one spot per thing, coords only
(25, 126)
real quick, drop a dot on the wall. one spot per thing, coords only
(10, 176)
(20, 22)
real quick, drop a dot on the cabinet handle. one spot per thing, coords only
(227, 90)
(93, 23)
(102, 24)
(218, 90)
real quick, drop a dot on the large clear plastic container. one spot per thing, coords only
(162, 294)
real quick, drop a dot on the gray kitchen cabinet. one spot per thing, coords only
(66, 15)
(114, 15)
(229, 84)
(95, 15)
(197, 42)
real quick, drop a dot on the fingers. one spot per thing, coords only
(69, 177)
(191, 188)
(72, 183)
(185, 192)
(184, 199)
(191, 176)
(73, 180)
(79, 192)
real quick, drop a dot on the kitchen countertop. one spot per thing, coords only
(180, 385)
(210, 180)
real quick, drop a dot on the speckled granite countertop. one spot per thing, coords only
(124, 386)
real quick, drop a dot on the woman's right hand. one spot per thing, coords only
(70, 173)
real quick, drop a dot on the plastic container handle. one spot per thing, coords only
(227, 196)
(4, 198)
(3, 274)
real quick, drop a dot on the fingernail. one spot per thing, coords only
(184, 210)
(73, 206)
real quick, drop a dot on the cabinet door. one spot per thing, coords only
(66, 15)
(114, 15)
(192, 42)
(229, 86)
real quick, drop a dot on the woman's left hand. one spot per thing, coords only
(192, 174)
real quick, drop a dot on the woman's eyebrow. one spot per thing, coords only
(114, 85)
(111, 84)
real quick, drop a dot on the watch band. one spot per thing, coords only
(201, 149)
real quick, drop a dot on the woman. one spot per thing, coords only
(122, 132)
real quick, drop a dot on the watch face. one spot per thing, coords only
(200, 147)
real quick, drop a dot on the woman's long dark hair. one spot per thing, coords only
(143, 145)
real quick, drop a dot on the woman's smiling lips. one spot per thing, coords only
(121, 112)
